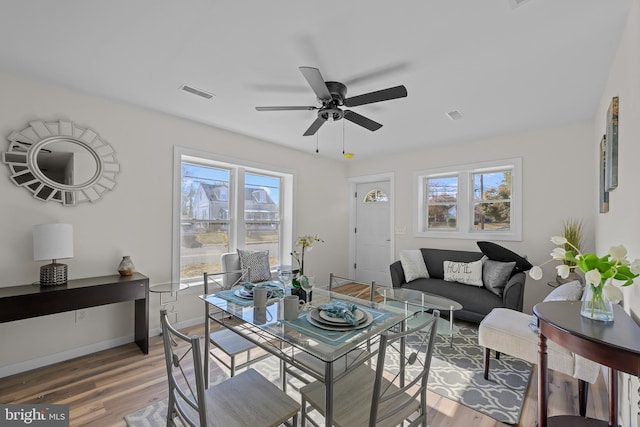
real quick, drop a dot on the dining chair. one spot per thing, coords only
(247, 399)
(224, 345)
(386, 395)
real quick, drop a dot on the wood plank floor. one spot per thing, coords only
(103, 387)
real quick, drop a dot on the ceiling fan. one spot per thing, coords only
(332, 95)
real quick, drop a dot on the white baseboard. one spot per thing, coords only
(28, 365)
(59, 357)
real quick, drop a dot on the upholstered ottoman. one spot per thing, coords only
(508, 331)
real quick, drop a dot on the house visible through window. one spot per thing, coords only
(225, 206)
(470, 201)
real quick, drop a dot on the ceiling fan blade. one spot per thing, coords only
(314, 126)
(377, 96)
(315, 80)
(376, 73)
(286, 108)
(362, 121)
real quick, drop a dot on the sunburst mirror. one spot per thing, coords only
(61, 162)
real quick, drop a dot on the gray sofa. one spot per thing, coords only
(477, 302)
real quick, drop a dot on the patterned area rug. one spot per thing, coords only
(456, 373)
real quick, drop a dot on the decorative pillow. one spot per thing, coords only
(496, 274)
(571, 291)
(257, 262)
(413, 265)
(496, 252)
(469, 273)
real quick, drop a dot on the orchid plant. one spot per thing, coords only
(305, 243)
(599, 272)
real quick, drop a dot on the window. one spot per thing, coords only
(478, 201)
(375, 196)
(222, 205)
(442, 203)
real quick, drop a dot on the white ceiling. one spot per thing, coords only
(506, 68)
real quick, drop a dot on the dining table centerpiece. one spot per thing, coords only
(599, 274)
(301, 284)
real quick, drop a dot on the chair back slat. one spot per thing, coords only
(184, 371)
(392, 396)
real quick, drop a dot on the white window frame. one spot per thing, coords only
(464, 221)
(239, 167)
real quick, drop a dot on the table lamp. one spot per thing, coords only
(52, 241)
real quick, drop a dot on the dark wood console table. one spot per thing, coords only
(26, 301)
(614, 344)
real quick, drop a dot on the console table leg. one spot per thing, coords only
(613, 397)
(543, 386)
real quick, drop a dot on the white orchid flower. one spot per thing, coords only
(563, 271)
(618, 253)
(593, 277)
(613, 293)
(558, 240)
(635, 266)
(535, 273)
(558, 254)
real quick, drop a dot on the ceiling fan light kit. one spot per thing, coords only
(332, 96)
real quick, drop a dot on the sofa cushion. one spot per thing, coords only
(476, 301)
(495, 275)
(469, 273)
(499, 253)
(571, 291)
(257, 262)
(413, 265)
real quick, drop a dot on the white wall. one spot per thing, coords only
(553, 161)
(136, 218)
(620, 225)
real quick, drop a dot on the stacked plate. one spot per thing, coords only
(244, 293)
(322, 320)
(248, 293)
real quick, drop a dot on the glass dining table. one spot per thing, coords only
(293, 341)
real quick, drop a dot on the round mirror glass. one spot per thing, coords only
(66, 162)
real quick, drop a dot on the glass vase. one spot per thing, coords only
(596, 305)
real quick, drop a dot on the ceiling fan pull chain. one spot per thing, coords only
(343, 137)
(317, 133)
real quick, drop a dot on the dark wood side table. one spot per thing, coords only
(614, 344)
(26, 301)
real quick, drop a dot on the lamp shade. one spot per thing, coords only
(52, 241)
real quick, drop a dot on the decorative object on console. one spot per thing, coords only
(61, 162)
(572, 231)
(52, 242)
(305, 242)
(599, 273)
(126, 267)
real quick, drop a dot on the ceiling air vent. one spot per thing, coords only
(198, 92)
(454, 115)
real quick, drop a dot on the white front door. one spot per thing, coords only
(373, 232)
